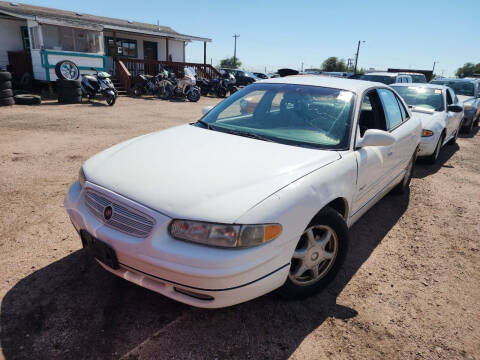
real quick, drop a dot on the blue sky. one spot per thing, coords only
(275, 34)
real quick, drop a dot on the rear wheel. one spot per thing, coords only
(135, 91)
(318, 256)
(221, 92)
(233, 90)
(165, 92)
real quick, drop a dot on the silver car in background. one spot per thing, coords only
(468, 93)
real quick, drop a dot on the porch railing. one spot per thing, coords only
(153, 67)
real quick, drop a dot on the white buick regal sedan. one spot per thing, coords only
(257, 195)
(440, 112)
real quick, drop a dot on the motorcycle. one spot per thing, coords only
(145, 84)
(170, 87)
(218, 87)
(99, 84)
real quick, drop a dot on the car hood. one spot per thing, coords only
(194, 173)
(428, 118)
(463, 98)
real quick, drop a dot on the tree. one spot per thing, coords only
(334, 64)
(468, 70)
(230, 63)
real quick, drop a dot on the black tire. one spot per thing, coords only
(69, 92)
(5, 85)
(193, 95)
(27, 99)
(110, 99)
(453, 140)
(136, 91)
(5, 76)
(70, 100)
(75, 74)
(469, 128)
(203, 91)
(233, 90)
(432, 159)
(221, 92)
(404, 186)
(331, 219)
(165, 92)
(61, 83)
(7, 101)
(6, 93)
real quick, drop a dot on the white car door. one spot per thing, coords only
(396, 116)
(456, 118)
(372, 174)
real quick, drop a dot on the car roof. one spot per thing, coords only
(455, 79)
(423, 85)
(384, 73)
(356, 86)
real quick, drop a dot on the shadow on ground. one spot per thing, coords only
(74, 309)
(424, 169)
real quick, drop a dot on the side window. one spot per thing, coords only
(449, 98)
(393, 115)
(402, 109)
(371, 113)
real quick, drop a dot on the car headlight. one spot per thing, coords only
(427, 133)
(81, 177)
(224, 235)
(467, 106)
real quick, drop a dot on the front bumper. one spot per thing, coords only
(219, 277)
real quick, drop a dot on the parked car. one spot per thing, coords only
(243, 78)
(418, 78)
(261, 75)
(279, 189)
(387, 77)
(440, 112)
(468, 93)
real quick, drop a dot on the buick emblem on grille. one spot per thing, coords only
(107, 212)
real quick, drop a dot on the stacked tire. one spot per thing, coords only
(6, 93)
(69, 91)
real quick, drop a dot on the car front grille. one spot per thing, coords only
(123, 218)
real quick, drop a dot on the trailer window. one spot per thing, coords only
(71, 39)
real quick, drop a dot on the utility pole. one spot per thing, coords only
(434, 63)
(235, 50)
(302, 67)
(356, 56)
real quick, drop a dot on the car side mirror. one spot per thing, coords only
(375, 137)
(454, 108)
(206, 109)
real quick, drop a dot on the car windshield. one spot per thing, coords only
(379, 78)
(419, 96)
(465, 88)
(299, 115)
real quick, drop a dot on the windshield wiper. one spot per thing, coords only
(204, 123)
(249, 135)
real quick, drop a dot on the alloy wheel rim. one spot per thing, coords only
(314, 255)
(68, 71)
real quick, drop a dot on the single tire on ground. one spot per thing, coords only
(27, 99)
(5, 76)
(6, 93)
(7, 101)
(62, 83)
(69, 92)
(70, 100)
(5, 85)
(318, 256)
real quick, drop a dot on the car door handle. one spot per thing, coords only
(390, 153)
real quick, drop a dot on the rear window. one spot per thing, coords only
(418, 78)
(423, 97)
(379, 78)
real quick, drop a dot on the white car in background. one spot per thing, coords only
(441, 114)
(387, 78)
(239, 204)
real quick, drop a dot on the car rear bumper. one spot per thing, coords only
(194, 274)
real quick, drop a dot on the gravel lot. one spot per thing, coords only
(410, 287)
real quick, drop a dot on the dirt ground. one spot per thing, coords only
(410, 288)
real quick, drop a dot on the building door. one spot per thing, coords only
(150, 53)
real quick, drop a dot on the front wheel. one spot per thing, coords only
(110, 99)
(193, 95)
(165, 92)
(432, 159)
(318, 255)
(221, 92)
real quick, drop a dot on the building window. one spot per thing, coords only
(35, 37)
(25, 38)
(71, 39)
(124, 47)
